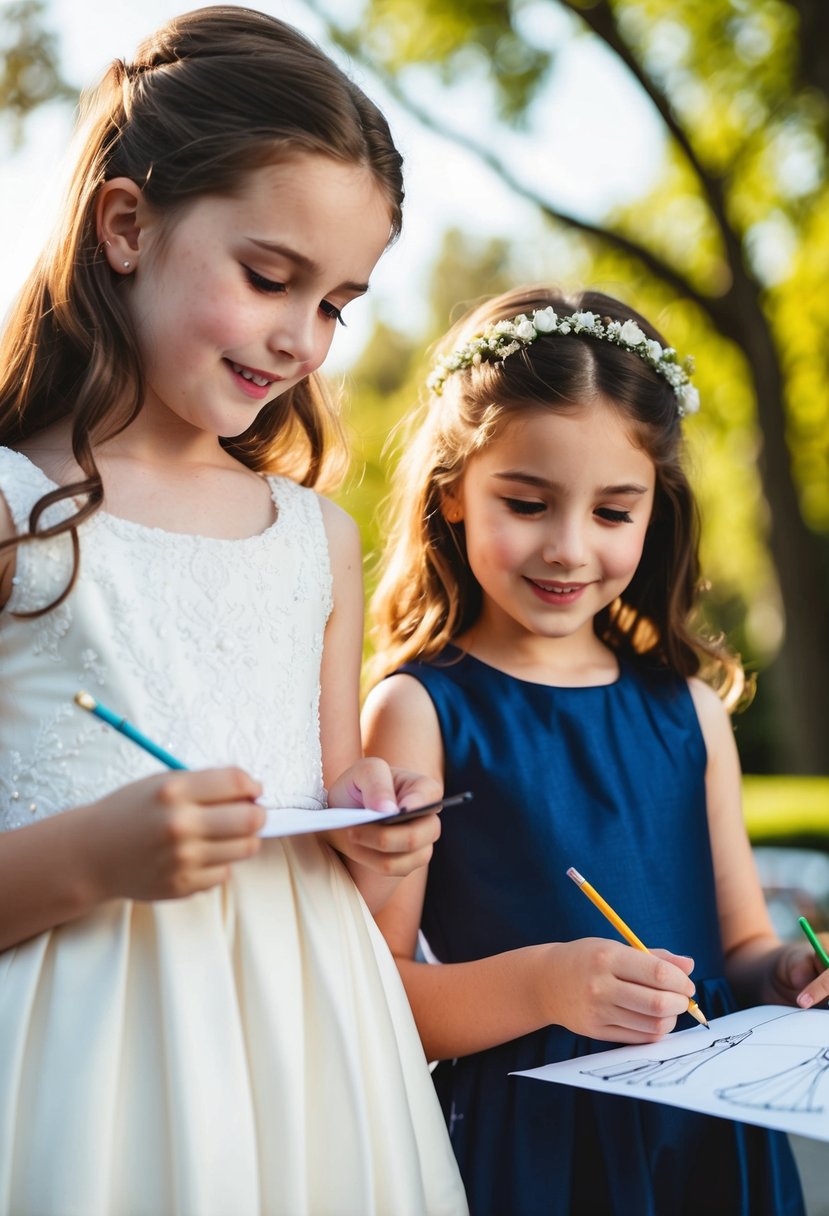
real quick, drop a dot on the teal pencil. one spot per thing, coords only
(127, 729)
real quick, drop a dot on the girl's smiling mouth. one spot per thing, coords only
(556, 592)
(253, 375)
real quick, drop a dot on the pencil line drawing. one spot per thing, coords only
(674, 1071)
(793, 1089)
(790, 1089)
(768, 1065)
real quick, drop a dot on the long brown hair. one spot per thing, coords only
(210, 97)
(427, 594)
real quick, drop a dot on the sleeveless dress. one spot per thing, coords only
(246, 1051)
(609, 780)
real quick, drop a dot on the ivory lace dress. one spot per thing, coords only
(248, 1050)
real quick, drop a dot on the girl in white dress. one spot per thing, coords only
(193, 1019)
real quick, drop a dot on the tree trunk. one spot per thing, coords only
(801, 671)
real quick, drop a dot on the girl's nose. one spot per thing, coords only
(296, 334)
(565, 546)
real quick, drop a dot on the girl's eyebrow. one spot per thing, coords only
(530, 479)
(304, 263)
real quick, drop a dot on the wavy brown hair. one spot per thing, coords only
(427, 594)
(212, 96)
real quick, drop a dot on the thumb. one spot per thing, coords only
(369, 783)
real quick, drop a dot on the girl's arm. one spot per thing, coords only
(376, 856)
(594, 986)
(164, 837)
(759, 967)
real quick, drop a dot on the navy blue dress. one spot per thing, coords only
(610, 780)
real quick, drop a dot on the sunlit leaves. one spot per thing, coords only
(29, 74)
(472, 39)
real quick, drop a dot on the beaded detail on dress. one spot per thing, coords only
(168, 630)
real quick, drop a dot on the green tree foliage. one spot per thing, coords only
(29, 75)
(729, 251)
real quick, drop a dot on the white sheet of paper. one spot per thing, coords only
(295, 821)
(768, 1065)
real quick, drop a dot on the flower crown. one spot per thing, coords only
(504, 338)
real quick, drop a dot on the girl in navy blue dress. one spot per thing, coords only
(535, 619)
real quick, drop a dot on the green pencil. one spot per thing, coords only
(815, 940)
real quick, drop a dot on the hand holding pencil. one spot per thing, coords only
(626, 932)
(618, 994)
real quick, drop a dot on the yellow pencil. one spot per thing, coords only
(627, 933)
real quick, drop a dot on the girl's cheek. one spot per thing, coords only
(624, 559)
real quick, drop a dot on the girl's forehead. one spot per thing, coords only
(326, 212)
(277, 189)
(579, 439)
(539, 423)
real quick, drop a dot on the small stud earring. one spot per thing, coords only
(126, 265)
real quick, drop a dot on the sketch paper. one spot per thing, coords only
(768, 1065)
(296, 821)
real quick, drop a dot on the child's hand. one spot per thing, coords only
(799, 975)
(171, 835)
(392, 851)
(609, 991)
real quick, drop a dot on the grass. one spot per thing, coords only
(787, 811)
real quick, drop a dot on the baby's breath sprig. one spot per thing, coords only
(504, 338)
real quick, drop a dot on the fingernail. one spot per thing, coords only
(388, 807)
(805, 1001)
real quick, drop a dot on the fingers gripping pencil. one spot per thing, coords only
(88, 702)
(626, 932)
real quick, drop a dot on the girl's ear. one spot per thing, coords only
(451, 507)
(118, 212)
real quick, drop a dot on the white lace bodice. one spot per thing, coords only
(211, 647)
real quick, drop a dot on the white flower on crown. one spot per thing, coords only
(688, 396)
(506, 337)
(545, 320)
(631, 335)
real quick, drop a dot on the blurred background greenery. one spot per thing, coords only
(726, 246)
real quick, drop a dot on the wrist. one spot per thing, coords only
(88, 874)
(543, 985)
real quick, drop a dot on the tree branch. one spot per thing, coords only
(669, 275)
(600, 19)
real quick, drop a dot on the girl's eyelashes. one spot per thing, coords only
(272, 287)
(614, 516)
(332, 311)
(269, 286)
(524, 506)
(528, 506)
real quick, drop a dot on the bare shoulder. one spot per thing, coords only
(708, 705)
(339, 525)
(343, 535)
(401, 725)
(400, 696)
(714, 719)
